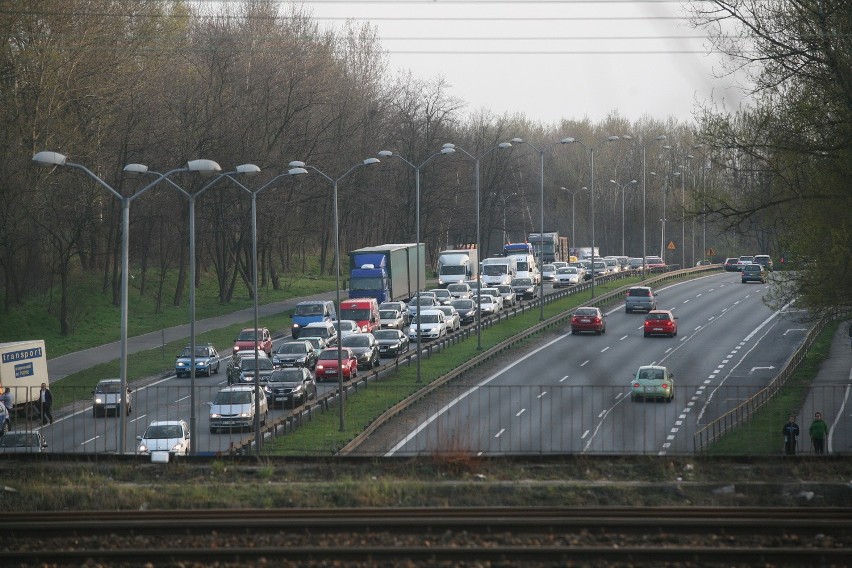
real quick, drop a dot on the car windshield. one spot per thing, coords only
(426, 318)
(232, 397)
(523, 266)
(331, 354)
(357, 340)
(658, 316)
(453, 269)
(356, 314)
(162, 431)
(495, 269)
(388, 314)
(568, 270)
(293, 375)
(548, 268)
(486, 299)
(263, 363)
(314, 332)
(651, 375)
(247, 335)
(108, 388)
(308, 309)
(19, 440)
(458, 288)
(199, 352)
(291, 349)
(441, 293)
(586, 312)
(386, 334)
(522, 282)
(505, 289)
(463, 304)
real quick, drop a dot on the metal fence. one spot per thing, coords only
(533, 419)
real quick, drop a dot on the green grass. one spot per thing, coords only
(761, 436)
(96, 320)
(322, 435)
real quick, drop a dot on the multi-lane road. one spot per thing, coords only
(568, 394)
(572, 394)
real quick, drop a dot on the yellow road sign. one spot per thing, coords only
(671, 245)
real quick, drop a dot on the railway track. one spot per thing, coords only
(540, 536)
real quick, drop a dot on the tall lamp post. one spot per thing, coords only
(390, 154)
(633, 181)
(476, 159)
(504, 199)
(573, 193)
(47, 158)
(250, 170)
(334, 182)
(541, 152)
(660, 138)
(591, 151)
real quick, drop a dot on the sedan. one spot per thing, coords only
(451, 316)
(510, 298)
(206, 361)
(392, 342)
(568, 276)
(299, 353)
(466, 310)
(294, 386)
(525, 288)
(443, 295)
(588, 318)
(391, 319)
(652, 382)
(23, 443)
(365, 348)
(327, 364)
(660, 322)
(165, 436)
(489, 305)
(459, 290)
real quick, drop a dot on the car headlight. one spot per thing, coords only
(245, 414)
(177, 447)
(98, 400)
(180, 364)
(142, 448)
(215, 415)
(320, 367)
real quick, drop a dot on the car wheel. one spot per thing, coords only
(603, 329)
(647, 334)
(598, 332)
(573, 332)
(627, 310)
(213, 430)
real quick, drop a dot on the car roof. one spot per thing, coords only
(167, 423)
(109, 381)
(652, 367)
(322, 324)
(236, 388)
(660, 312)
(431, 312)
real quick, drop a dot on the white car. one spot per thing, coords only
(510, 298)
(451, 316)
(495, 293)
(391, 319)
(235, 407)
(433, 325)
(460, 290)
(346, 327)
(548, 272)
(488, 304)
(401, 306)
(165, 436)
(568, 276)
(427, 302)
(559, 264)
(107, 398)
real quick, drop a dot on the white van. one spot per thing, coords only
(526, 267)
(498, 270)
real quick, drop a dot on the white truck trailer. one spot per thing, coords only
(23, 367)
(457, 265)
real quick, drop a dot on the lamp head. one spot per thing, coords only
(626, 137)
(568, 140)
(613, 181)
(248, 169)
(204, 167)
(448, 145)
(371, 161)
(517, 140)
(448, 150)
(612, 138)
(386, 154)
(296, 164)
(47, 158)
(661, 137)
(135, 170)
(633, 181)
(504, 145)
(296, 171)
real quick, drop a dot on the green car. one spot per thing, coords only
(652, 382)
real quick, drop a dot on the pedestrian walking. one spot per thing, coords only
(818, 432)
(791, 435)
(8, 399)
(46, 402)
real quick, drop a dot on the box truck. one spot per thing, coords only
(526, 264)
(23, 367)
(498, 270)
(457, 265)
(549, 246)
(386, 272)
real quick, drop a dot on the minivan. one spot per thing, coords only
(107, 397)
(310, 311)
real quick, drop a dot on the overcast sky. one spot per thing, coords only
(549, 59)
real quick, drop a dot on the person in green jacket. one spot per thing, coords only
(818, 432)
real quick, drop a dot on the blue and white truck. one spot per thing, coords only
(387, 272)
(23, 368)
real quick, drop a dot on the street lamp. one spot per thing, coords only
(476, 159)
(334, 182)
(591, 150)
(633, 181)
(504, 199)
(390, 154)
(541, 152)
(660, 138)
(204, 167)
(573, 193)
(250, 170)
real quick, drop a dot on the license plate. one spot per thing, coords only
(650, 389)
(585, 320)
(383, 348)
(658, 329)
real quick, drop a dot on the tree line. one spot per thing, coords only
(109, 83)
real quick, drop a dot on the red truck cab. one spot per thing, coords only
(364, 311)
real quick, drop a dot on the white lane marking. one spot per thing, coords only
(586, 433)
(794, 329)
(626, 336)
(563, 378)
(138, 417)
(604, 349)
(686, 301)
(698, 296)
(500, 433)
(521, 412)
(187, 397)
(584, 363)
(602, 414)
(90, 440)
(542, 394)
(839, 414)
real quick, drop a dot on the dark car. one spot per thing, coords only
(753, 273)
(392, 342)
(293, 385)
(327, 364)
(660, 322)
(588, 319)
(206, 361)
(247, 369)
(731, 264)
(525, 288)
(365, 348)
(640, 298)
(466, 309)
(299, 353)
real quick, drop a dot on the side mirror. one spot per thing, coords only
(139, 438)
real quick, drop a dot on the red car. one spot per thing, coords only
(326, 369)
(250, 339)
(588, 319)
(660, 322)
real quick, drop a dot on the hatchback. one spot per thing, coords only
(660, 322)
(165, 436)
(652, 382)
(764, 260)
(640, 298)
(327, 365)
(459, 290)
(753, 273)
(23, 443)
(107, 397)
(236, 407)
(731, 264)
(294, 385)
(588, 318)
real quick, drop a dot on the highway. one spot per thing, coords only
(571, 394)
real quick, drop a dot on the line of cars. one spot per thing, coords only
(752, 268)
